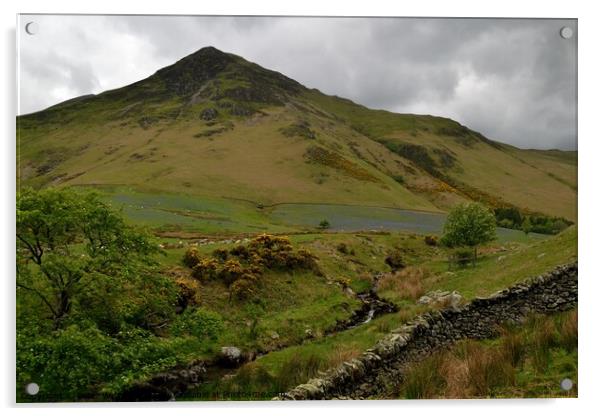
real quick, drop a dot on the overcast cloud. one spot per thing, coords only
(512, 80)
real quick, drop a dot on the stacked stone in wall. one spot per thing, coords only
(381, 366)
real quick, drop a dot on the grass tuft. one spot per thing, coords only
(526, 361)
(406, 283)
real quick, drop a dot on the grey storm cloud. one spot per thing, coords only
(514, 80)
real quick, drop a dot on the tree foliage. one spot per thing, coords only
(90, 299)
(324, 224)
(72, 247)
(469, 225)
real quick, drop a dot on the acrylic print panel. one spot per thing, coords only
(249, 208)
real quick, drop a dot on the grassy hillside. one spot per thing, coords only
(464, 163)
(214, 125)
(427, 271)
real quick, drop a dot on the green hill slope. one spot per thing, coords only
(217, 126)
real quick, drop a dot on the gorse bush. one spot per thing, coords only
(220, 254)
(191, 257)
(241, 267)
(244, 287)
(189, 292)
(205, 269)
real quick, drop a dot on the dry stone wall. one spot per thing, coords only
(380, 368)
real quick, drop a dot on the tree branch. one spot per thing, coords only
(41, 296)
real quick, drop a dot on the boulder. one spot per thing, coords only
(443, 299)
(231, 356)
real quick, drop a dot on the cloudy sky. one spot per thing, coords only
(512, 80)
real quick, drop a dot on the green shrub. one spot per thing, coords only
(200, 323)
(68, 365)
(506, 223)
(508, 217)
(469, 225)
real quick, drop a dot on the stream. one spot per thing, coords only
(169, 385)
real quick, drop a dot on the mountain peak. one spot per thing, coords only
(208, 50)
(189, 73)
(224, 75)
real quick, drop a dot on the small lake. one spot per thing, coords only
(356, 218)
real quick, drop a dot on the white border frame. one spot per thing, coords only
(590, 152)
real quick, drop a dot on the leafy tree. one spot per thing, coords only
(508, 217)
(469, 225)
(71, 245)
(324, 224)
